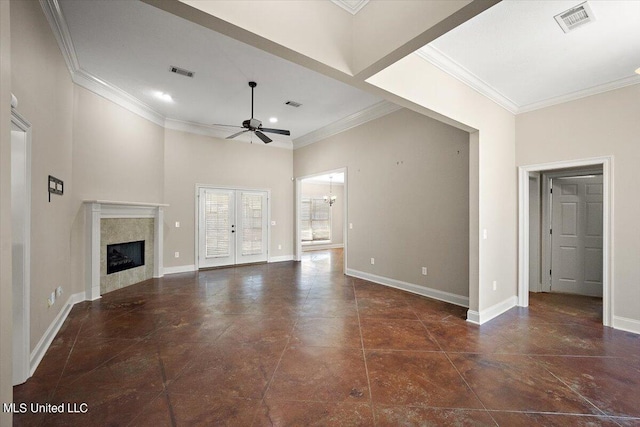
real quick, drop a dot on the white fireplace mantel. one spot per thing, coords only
(95, 210)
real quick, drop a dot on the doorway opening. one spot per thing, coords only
(565, 231)
(321, 217)
(21, 244)
(232, 226)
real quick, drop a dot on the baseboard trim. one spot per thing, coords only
(281, 258)
(410, 287)
(180, 269)
(492, 312)
(43, 345)
(307, 248)
(626, 324)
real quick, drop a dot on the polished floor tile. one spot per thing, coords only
(425, 379)
(302, 344)
(295, 413)
(518, 383)
(325, 374)
(413, 416)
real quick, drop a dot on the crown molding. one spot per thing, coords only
(89, 81)
(449, 66)
(222, 132)
(83, 78)
(352, 6)
(53, 12)
(617, 84)
(373, 112)
(116, 95)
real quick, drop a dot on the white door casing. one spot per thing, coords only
(21, 245)
(232, 226)
(576, 249)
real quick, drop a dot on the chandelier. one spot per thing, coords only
(331, 198)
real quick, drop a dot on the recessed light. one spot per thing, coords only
(637, 70)
(275, 119)
(164, 96)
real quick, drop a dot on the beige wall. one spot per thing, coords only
(493, 178)
(6, 309)
(192, 159)
(337, 210)
(600, 125)
(117, 155)
(42, 84)
(408, 197)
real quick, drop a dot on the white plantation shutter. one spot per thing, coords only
(217, 227)
(305, 221)
(251, 224)
(315, 221)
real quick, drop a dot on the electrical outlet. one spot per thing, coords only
(424, 271)
(177, 224)
(177, 255)
(495, 285)
(373, 261)
(273, 223)
(279, 247)
(350, 226)
(59, 291)
(484, 234)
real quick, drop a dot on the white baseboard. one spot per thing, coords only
(43, 345)
(626, 324)
(492, 312)
(281, 258)
(410, 287)
(306, 248)
(180, 269)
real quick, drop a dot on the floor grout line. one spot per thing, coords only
(364, 356)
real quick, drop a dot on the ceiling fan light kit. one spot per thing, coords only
(254, 125)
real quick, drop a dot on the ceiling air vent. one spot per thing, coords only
(575, 17)
(293, 104)
(181, 71)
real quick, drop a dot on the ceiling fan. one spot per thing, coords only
(255, 125)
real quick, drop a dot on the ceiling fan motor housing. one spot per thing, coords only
(252, 124)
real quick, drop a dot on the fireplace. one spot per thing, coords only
(123, 256)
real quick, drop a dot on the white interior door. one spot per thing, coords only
(233, 227)
(576, 237)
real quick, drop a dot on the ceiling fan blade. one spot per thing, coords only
(227, 126)
(279, 131)
(236, 134)
(263, 137)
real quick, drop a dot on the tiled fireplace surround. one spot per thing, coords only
(101, 229)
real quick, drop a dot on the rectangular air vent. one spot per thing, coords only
(575, 17)
(293, 103)
(181, 71)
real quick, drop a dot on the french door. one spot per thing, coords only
(232, 227)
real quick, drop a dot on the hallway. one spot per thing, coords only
(302, 344)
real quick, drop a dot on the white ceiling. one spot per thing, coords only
(518, 55)
(131, 45)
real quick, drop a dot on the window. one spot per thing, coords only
(315, 220)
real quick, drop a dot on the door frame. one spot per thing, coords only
(607, 224)
(345, 212)
(224, 187)
(21, 367)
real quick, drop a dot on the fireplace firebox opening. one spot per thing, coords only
(123, 256)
